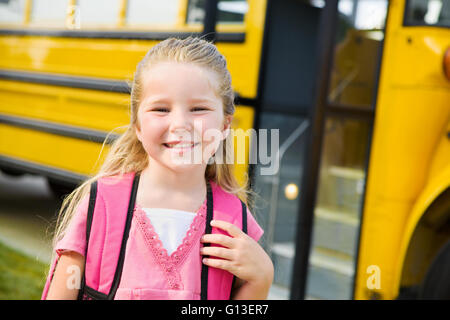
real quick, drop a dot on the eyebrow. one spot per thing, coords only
(201, 100)
(157, 100)
(167, 100)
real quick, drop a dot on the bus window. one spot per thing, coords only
(276, 205)
(49, 12)
(359, 35)
(98, 12)
(145, 12)
(337, 209)
(12, 11)
(229, 11)
(428, 12)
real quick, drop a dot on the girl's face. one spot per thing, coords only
(180, 119)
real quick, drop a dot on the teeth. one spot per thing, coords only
(178, 145)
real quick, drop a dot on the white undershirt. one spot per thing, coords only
(170, 225)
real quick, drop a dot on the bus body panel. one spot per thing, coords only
(412, 114)
(406, 273)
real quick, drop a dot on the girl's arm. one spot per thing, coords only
(248, 291)
(67, 277)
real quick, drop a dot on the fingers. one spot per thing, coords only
(221, 239)
(228, 227)
(218, 263)
(217, 252)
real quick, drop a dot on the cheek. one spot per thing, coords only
(210, 127)
(151, 129)
(212, 136)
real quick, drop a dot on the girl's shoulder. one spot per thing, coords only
(224, 198)
(116, 178)
(228, 207)
(220, 191)
(114, 186)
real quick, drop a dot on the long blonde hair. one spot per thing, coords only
(127, 154)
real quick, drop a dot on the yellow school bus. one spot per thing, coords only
(356, 92)
(380, 209)
(406, 218)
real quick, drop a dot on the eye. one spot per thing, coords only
(199, 109)
(160, 110)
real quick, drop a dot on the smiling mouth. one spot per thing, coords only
(181, 145)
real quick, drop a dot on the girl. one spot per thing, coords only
(181, 93)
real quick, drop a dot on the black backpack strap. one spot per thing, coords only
(208, 228)
(244, 229)
(90, 214)
(244, 217)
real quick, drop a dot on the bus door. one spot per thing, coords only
(353, 35)
(282, 119)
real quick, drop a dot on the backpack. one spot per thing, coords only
(101, 278)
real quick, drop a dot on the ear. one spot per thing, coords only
(138, 133)
(227, 126)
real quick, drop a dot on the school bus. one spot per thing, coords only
(358, 92)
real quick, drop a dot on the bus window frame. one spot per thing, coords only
(234, 37)
(25, 30)
(408, 23)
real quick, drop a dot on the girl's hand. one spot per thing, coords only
(242, 256)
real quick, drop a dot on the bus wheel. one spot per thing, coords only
(436, 284)
(12, 172)
(59, 189)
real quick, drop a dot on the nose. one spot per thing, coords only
(180, 121)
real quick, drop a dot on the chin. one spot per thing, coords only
(183, 168)
(180, 165)
(183, 163)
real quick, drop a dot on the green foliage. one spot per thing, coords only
(21, 277)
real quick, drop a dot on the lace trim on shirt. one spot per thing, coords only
(170, 264)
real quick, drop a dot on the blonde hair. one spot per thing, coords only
(127, 153)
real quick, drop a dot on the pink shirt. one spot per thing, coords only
(149, 273)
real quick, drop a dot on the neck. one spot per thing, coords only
(164, 179)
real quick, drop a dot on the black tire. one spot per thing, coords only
(12, 172)
(436, 284)
(59, 189)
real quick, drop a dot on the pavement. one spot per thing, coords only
(28, 212)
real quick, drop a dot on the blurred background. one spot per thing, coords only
(358, 89)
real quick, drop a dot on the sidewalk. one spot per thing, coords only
(27, 210)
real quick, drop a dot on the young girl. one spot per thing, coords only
(180, 93)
